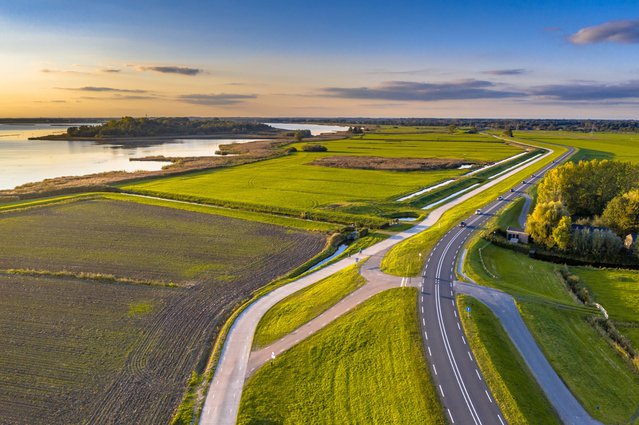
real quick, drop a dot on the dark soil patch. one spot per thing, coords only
(390, 164)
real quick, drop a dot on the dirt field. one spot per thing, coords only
(78, 351)
(385, 163)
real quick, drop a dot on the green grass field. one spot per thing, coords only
(518, 395)
(619, 146)
(430, 145)
(591, 368)
(290, 185)
(129, 239)
(616, 290)
(302, 306)
(366, 367)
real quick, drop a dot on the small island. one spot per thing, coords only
(162, 128)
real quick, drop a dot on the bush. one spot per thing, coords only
(314, 147)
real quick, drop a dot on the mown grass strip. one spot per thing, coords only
(516, 391)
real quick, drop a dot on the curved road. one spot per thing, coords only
(465, 395)
(223, 398)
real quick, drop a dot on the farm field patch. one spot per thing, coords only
(64, 341)
(128, 239)
(161, 334)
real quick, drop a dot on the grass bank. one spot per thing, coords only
(362, 368)
(306, 304)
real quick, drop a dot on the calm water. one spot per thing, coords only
(315, 128)
(23, 160)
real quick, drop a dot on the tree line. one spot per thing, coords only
(140, 127)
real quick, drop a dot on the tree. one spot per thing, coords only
(561, 233)
(580, 242)
(314, 147)
(605, 245)
(587, 187)
(452, 128)
(508, 132)
(544, 218)
(622, 213)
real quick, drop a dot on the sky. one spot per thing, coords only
(483, 59)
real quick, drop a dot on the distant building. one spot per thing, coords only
(516, 235)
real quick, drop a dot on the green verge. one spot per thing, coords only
(302, 306)
(591, 368)
(518, 395)
(510, 216)
(361, 368)
(404, 260)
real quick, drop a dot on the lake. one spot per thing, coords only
(23, 161)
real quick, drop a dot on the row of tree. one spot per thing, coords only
(140, 127)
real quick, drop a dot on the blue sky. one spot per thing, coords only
(410, 58)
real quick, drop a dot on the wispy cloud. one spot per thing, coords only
(626, 31)
(588, 91)
(167, 69)
(515, 71)
(102, 89)
(63, 71)
(121, 97)
(418, 91)
(111, 70)
(404, 72)
(221, 99)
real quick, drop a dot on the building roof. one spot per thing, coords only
(515, 230)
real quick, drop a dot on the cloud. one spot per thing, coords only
(120, 97)
(626, 31)
(404, 72)
(63, 71)
(516, 71)
(111, 70)
(588, 91)
(416, 91)
(102, 89)
(182, 70)
(221, 99)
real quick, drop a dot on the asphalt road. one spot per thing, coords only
(462, 389)
(223, 398)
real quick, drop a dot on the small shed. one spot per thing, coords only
(516, 235)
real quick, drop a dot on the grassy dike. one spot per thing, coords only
(518, 395)
(302, 306)
(404, 260)
(359, 369)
